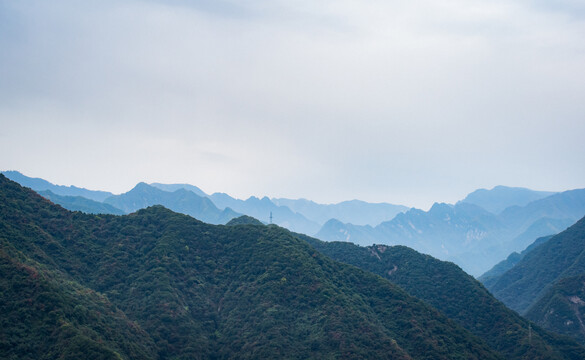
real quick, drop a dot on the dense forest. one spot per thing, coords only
(157, 284)
(456, 294)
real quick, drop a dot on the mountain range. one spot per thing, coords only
(161, 285)
(465, 233)
(500, 197)
(297, 215)
(156, 284)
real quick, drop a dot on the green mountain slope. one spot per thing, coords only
(202, 291)
(492, 276)
(45, 314)
(562, 308)
(244, 220)
(456, 294)
(561, 256)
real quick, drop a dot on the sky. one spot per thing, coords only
(406, 102)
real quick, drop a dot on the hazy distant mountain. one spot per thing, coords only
(261, 210)
(444, 231)
(569, 205)
(40, 185)
(255, 207)
(181, 200)
(561, 256)
(539, 228)
(466, 234)
(356, 212)
(450, 290)
(335, 230)
(79, 203)
(175, 187)
(502, 197)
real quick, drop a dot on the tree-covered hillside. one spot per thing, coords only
(561, 256)
(200, 291)
(458, 295)
(562, 308)
(492, 276)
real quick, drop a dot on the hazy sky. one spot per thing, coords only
(408, 102)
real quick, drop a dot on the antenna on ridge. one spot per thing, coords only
(271, 217)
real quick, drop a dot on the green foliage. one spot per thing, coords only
(47, 316)
(562, 308)
(456, 294)
(199, 291)
(244, 220)
(490, 277)
(561, 256)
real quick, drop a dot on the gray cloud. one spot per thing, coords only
(401, 102)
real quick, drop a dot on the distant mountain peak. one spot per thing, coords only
(501, 197)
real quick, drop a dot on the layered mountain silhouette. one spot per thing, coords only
(161, 285)
(307, 218)
(38, 184)
(467, 234)
(181, 200)
(500, 197)
(79, 203)
(355, 212)
(263, 208)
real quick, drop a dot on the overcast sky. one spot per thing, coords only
(407, 102)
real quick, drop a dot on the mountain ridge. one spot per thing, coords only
(203, 291)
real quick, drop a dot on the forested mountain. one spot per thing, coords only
(500, 197)
(41, 185)
(355, 212)
(172, 287)
(491, 276)
(244, 220)
(458, 295)
(79, 203)
(561, 308)
(560, 257)
(46, 315)
(181, 200)
(466, 234)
